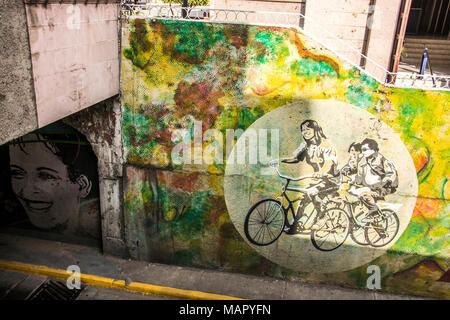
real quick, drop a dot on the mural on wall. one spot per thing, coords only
(220, 81)
(322, 209)
(52, 184)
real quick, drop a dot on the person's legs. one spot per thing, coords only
(368, 199)
(296, 225)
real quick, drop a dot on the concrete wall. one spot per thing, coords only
(219, 77)
(348, 20)
(343, 19)
(17, 104)
(101, 125)
(58, 57)
(74, 50)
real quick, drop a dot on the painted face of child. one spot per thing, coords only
(41, 183)
(307, 132)
(366, 151)
(354, 153)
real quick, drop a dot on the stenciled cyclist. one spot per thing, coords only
(321, 155)
(376, 176)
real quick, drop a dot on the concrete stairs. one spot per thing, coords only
(438, 51)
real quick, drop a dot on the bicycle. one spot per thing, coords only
(376, 230)
(268, 219)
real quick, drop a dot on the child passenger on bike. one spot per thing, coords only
(376, 176)
(321, 155)
(349, 171)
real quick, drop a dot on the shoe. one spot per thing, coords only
(294, 229)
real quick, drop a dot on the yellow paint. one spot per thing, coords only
(98, 281)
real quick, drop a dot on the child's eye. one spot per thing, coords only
(47, 176)
(16, 174)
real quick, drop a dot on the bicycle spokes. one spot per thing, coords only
(264, 222)
(383, 229)
(333, 231)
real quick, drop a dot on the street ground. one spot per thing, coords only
(165, 279)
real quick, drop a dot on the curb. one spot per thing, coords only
(98, 281)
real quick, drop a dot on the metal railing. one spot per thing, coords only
(312, 29)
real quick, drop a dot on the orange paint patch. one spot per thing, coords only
(429, 208)
(420, 161)
(305, 53)
(263, 90)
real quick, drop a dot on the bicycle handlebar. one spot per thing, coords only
(291, 178)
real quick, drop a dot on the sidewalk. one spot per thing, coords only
(91, 261)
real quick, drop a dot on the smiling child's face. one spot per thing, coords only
(307, 132)
(41, 182)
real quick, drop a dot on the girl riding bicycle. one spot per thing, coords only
(321, 155)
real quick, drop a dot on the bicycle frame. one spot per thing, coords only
(286, 187)
(349, 210)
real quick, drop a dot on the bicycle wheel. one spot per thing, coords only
(358, 231)
(333, 232)
(264, 222)
(382, 229)
(358, 235)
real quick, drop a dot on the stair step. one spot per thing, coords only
(433, 64)
(430, 56)
(421, 46)
(432, 59)
(424, 40)
(443, 53)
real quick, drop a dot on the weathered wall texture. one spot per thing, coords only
(74, 52)
(101, 126)
(236, 77)
(255, 5)
(349, 23)
(349, 20)
(17, 104)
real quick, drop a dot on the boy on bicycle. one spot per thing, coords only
(376, 176)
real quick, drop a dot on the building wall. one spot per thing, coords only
(258, 11)
(348, 21)
(17, 104)
(100, 124)
(229, 76)
(344, 20)
(383, 34)
(74, 51)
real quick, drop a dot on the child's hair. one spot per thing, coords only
(373, 145)
(318, 132)
(71, 147)
(356, 146)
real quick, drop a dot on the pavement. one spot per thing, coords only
(111, 278)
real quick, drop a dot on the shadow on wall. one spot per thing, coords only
(51, 186)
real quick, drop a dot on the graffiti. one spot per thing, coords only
(341, 210)
(239, 77)
(334, 215)
(53, 177)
